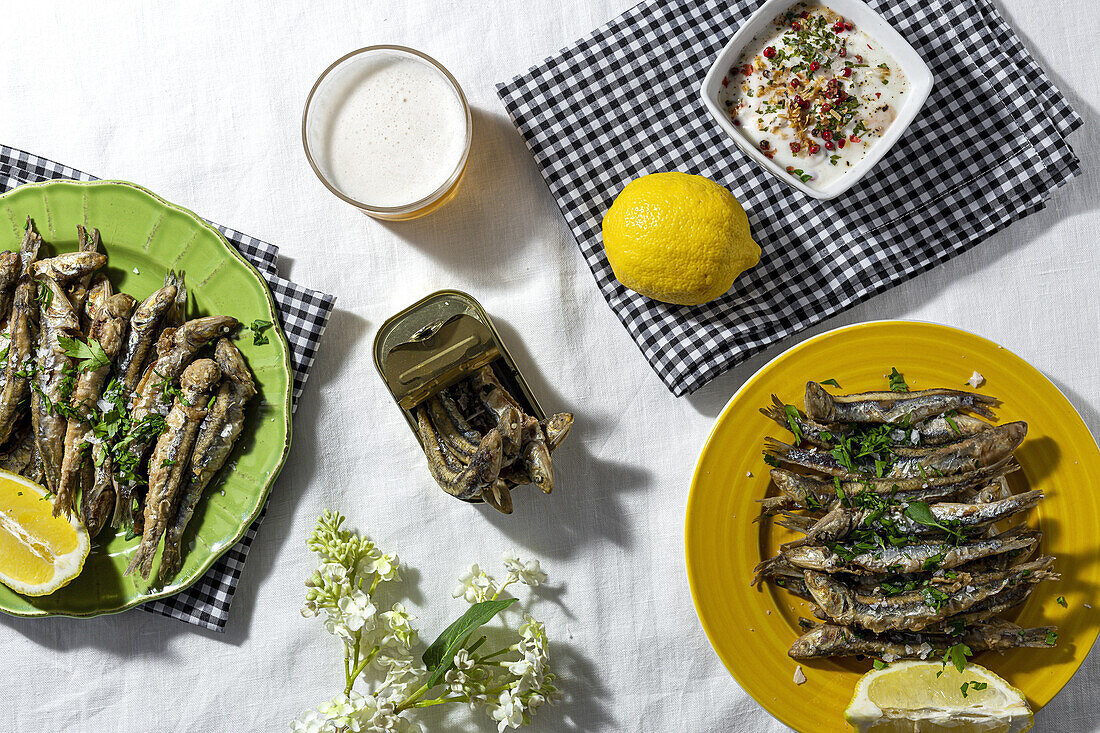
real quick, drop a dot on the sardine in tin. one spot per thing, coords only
(438, 341)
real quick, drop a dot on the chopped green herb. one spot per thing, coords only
(957, 655)
(1051, 638)
(792, 422)
(951, 423)
(1062, 602)
(90, 355)
(832, 382)
(257, 328)
(879, 664)
(897, 380)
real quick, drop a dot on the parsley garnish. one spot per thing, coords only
(792, 422)
(879, 664)
(897, 381)
(257, 328)
(90, 355)
(832, 382)
(957, 655)
(1062, 602)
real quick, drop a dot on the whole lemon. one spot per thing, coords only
(678, 238)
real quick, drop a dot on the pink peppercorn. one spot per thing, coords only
(814, 66)
(769, 52)
(804, 14)
(796, 26)
(814, 148)
(846, 72)
(795, 147)
(855, 139)
(843, 52)
(829, 145)
(840, 143)
(796, 83)
(764, 145)
(826, 135)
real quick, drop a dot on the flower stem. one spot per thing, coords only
(411, 699)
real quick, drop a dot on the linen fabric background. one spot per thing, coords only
(201, 102)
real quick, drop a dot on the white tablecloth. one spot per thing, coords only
(202, 101)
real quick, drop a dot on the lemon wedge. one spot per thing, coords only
(39, 552)
(909, 697)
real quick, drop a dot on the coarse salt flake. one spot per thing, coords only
(799, 676)
(976, 380)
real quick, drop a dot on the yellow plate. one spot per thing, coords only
(751, 629)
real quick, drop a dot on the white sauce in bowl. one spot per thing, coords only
(814, 93)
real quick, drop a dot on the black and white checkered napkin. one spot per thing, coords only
(987, 149)
(304, 314)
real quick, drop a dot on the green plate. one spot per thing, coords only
(144, 236)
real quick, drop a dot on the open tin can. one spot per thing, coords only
(438, 341)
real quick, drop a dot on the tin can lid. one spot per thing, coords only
(433, 344)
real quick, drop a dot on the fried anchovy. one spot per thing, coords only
(78, 289)
(465, 482)
(556, 428)
(934, 431)
(20, 455)
(170, 457)
(909, 558)
(177, 311)
(455, 414)
(22, 324)
(70, 267)
(144, 326)
(985, 449)
(9, 276)
(498, 495)
(175, 349)
(798, 491)
(451, 432)
(832, 640)
(916, 609)
(504, 406)
(52, 386)
(842, 521)
(891, 407)
(110, 316)
(217, 435)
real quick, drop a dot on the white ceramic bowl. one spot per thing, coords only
(867, 20)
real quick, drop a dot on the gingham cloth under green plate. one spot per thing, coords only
(304, 314)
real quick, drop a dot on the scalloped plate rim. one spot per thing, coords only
(265, 490)
(694, 582)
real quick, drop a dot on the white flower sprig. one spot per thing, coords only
(509, 684)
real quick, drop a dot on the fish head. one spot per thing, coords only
(202, 330)
(200, 376)
(820, 405)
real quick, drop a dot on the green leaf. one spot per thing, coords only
(919, 512)
(897, 380)
(1051, 638)
(979, 686)
(957, 655)
(964, 688)
(1062, 602)
(951, 423)
(91, 354)
(832, 382)
(879, 664)
(257, 328)
(440, 656)
(792, 422)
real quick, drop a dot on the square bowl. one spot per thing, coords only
(874, 25)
